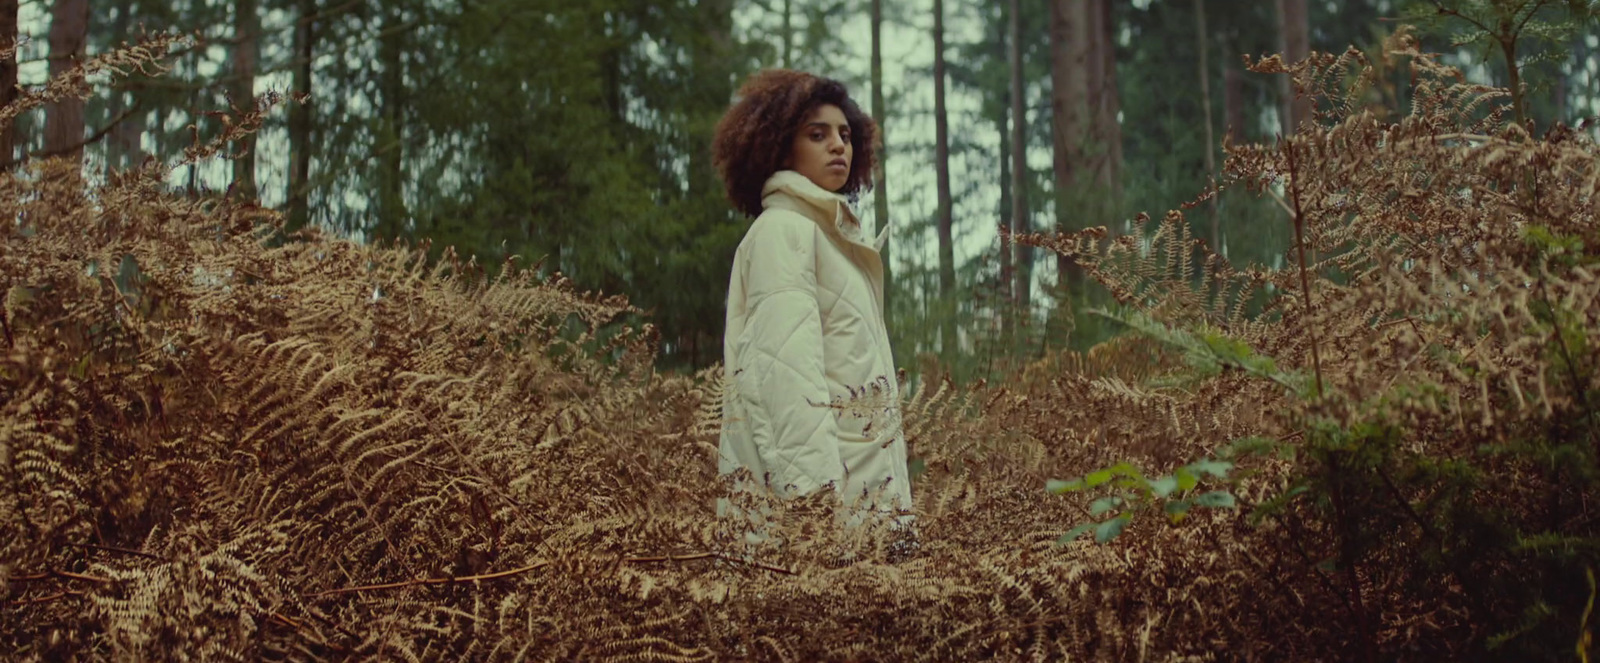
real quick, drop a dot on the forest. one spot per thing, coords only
(392, 329)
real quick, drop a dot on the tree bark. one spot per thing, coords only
(1006, 285)
(1202, 44)
(390, 147)
(123, 148)
(301, 120)
(1294, 31)
(69, 35)
(1019, 168)
(788, 34)
(880, 183)
(8, 80)
(1069, 112)
(1107, 104)
(1233, 103)
(246, 50)
(947, 264)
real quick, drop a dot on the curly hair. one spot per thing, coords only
(755, 136)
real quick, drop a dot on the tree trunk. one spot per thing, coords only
(8, 80)
(788, 33)
(1202, 44)
(1233, 103)
(1019, 169)
(1069, 41)
(1294, 31)
(880, 183)
(246, 49)
(390, 147)
(1006, 285)
(947, 262)
(1107, 103)
(301, 120)
(63, 120)
(712, 56)
(123, 149)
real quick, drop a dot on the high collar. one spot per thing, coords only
(790, 190)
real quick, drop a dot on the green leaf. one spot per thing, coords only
(1216, 468)
(1097, 477)
(1103, 505)
(1177, 510)
(1074, 533)
(1186, 479)
(1058, 486)
(1109, 529)
(1216, 499)
(1164, 486)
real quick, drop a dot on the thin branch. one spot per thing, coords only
(708, 555)
(95, 138)
(1300, 246)
(429, 581)
(46, 598)
(124, 551)
(539, 565)
(52, 573)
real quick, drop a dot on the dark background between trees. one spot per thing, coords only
(578, 132)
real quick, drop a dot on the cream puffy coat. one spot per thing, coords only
(805, 328)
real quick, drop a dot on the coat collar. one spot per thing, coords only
(789, 190)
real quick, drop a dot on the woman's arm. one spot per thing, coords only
(780, 375)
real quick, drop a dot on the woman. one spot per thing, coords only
(805, 323)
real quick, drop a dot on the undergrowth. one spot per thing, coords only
(221, 442)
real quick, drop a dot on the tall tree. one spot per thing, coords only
(1106, 131)
(123, 142)
(1294, 32)
(246, 51)
(1019, 165)
(1069, 111)
(1202, 43)
(69, 36)
(301, 117)
(788, 33)
(1006, 286)
(391, 132)
(947, 260)
(880, 178)
(8, 79)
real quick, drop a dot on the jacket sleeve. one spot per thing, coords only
(780, 375)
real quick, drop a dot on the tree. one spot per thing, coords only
(301, 117)
(391, 134)
(947, 261)
(1019, 166)
(69, 35)
(246, 50)
(1069, 110)
(126, 118)
(8, 79)
(1007, 278)
(1105, 130)
(880, 178)
(1294, 30)
(1204, 74)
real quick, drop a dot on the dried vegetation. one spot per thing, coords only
(220, 443)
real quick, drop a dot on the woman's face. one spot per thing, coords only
(822, 150)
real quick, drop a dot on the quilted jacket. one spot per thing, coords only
(805, 328)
